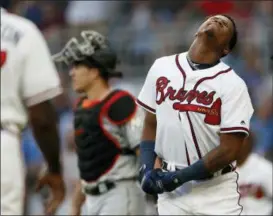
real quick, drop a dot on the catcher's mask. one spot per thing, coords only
(90, 49)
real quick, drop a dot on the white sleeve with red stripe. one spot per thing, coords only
(236, 109)
(147, 95)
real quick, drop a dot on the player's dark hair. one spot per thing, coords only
(103, 72)
(233, 40)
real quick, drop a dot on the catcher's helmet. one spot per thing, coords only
(91, 49)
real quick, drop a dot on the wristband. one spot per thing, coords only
(147, 154)
(196, 171)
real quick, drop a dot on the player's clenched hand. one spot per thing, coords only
(57, 191)
(148, 184)
(165, 181)
(146, 181)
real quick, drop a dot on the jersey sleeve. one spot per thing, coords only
(236, 110)
(40, 80)
(147, 96)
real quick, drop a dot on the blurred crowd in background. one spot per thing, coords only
(141, 31)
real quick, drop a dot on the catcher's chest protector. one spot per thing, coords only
(96, 145)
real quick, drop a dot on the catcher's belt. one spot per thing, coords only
(103, 187)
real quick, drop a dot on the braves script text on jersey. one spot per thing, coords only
(192, 107)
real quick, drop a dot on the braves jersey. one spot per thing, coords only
(193, 107)
(255, 184)
(28, 76)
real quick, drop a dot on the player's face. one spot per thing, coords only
(220, 29)
(82, 77)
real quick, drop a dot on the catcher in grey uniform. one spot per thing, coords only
(108, 127)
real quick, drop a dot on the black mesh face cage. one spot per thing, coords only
(78, 49)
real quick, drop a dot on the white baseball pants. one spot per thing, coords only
(12, 174)
(218, 196)
(125, 199)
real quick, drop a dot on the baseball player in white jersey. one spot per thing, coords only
(28, 81)
(198, 114)
(255, 184)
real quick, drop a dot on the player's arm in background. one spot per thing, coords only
(40, 84)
